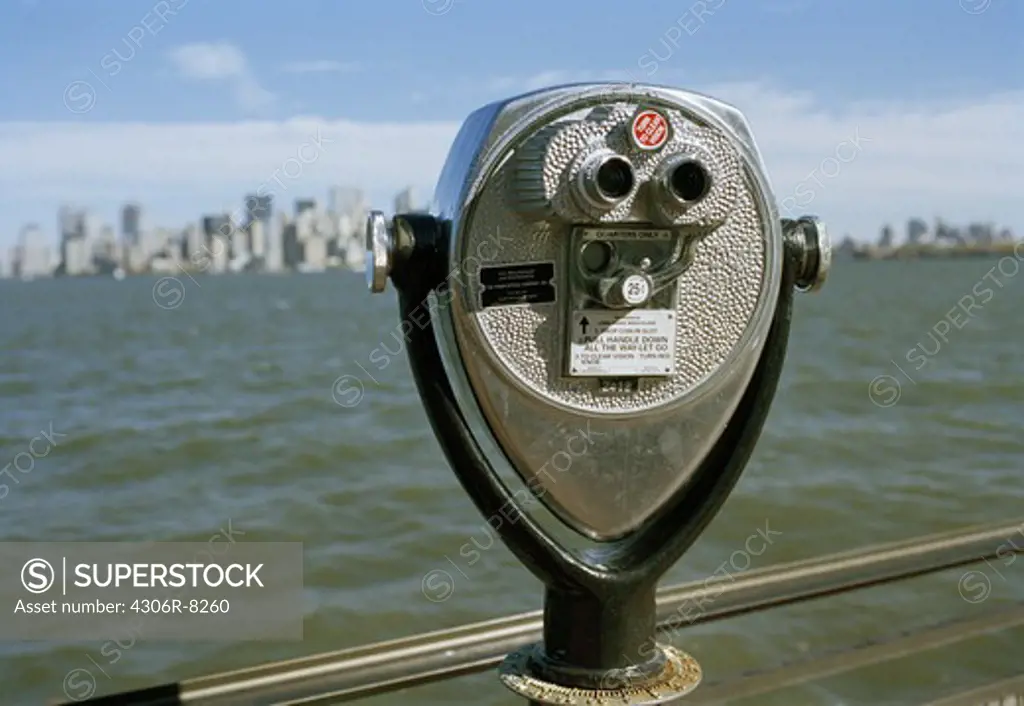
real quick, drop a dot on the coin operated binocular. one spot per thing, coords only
(597, 311)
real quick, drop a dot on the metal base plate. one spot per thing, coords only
(681, 675)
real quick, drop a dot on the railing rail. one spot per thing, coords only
(1004, 693)
(359, 672)
(875, 651)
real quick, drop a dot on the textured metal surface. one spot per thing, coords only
(541, 177)
(681, 675)
(510, 360)
(718, 292)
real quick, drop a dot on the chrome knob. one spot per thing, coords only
(811, 236)
(627, 292)
(379, 252)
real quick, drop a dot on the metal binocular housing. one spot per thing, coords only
(597, 310)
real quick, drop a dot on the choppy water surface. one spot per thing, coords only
(176, 423)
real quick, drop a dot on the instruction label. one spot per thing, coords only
(507, 285)
(626, 234)
(633, 343)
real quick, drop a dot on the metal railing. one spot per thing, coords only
(1004, 693)
(360, 672)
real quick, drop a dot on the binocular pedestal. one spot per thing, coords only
(599, 618)
(586, 654)
(641, 284)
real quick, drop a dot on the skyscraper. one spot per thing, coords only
(916, 230)
(195, 244)
(345, 200)
(885, 240)
(78, 232)
(349, 208)
(258, 237)
(33, 255)
(219, 224)
(131, 224)
(69, 223)
(259, 208)
(275, 259)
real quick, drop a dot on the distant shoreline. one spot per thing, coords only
(937, 252)
(183, 275)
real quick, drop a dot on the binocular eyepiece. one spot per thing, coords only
(605, 179)
(684, 179)
(609, 287)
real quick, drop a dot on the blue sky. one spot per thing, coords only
(191, 103)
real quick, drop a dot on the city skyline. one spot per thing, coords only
(387, 206)
(262, 234)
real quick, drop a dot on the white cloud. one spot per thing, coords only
(207, 154)
(250, 95)
(215, 61)
(960, 160)
(226, 63)
(320, 66)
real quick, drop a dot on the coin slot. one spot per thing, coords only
(596, 256)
